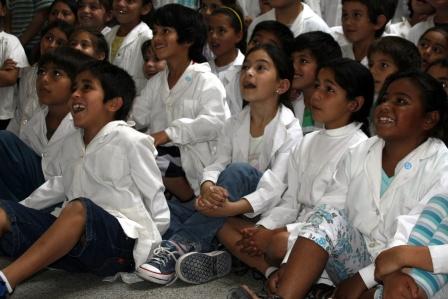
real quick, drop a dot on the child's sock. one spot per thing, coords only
(5, 280)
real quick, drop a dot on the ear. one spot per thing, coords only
(431, 120)
(381, 21)
(240, 36)
(115, 104)
(146, 9)
(355, 105)
(100, 56)
(283, 86)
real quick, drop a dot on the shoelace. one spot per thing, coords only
(162, 255)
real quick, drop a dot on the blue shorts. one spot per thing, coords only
(104, 249)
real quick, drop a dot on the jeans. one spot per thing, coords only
(195, 231)
(20, 170)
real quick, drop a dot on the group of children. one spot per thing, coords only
(311, 154)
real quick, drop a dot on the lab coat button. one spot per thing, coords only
(24, 122)
(372, 244)
(377, 212)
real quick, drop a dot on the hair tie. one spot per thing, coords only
(236, 14)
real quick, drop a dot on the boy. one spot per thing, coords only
(363, 21)
(389, 55)
(95, 14)
(298, 16)
(439, 18)
(12, 58)
(112, 213)
(125, 39)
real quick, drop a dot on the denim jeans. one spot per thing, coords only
(196, 231)
(20, 170)
(104, 249)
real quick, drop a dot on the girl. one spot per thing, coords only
(375, 182)
(433, 45)
(152, 65)
(226, 40)
(125, 39)
(249, 173)
(341, 101)
(53, 36)
(183, 108)
(90, 43)
(63, 10)
(439, 71)
(95, 14)
(271, 32)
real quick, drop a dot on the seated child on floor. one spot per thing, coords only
(106, 176)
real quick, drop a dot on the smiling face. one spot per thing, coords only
(152, 64)
(128, 12)
(381, 66)
(400, 113)
(432, 46)
(53, 85)
(62, 12)
(356, 23)
(83, 42)
(305, 68)
(165, 44)
(92, 14)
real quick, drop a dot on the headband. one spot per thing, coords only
(236, 14)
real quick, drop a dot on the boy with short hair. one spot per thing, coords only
(363, 21)
(298, 16)
(113, 211)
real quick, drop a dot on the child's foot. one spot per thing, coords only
(160, 268)
(197, 268)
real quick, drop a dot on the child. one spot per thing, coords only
(89, 42)
(152, 64)
(53, 36)
(26, 157)
(12, 59)
(120, 203)
(248, 173)
(419, 11)
(125, 39)
(227, 42)
(95, 14)
(342, 102)
(375, 182)
(439, 71)
(363, 21)
(271, 32)
(391, 54)
(439, 18)
(63, 10)
(433, 45)
(310, 50)
(303, 20)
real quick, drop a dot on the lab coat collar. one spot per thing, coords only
(105, 133)
(342, 130)
(137, 31)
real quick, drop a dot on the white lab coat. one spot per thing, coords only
(306, 21)
(310, 169)
(27, 100)
(346, 46)
(10, 47)
(281, 134)
(250, 8)
(192, 113)
(129, 55)
(118, 172)
(34, 134)
(418, 29)
(400, 29)
(230, 78)
(329, 10)
(357, 182)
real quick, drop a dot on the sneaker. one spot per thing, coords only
(197, 268)
(160, 268)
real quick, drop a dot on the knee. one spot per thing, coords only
(238, 169)
(5, 224)
(277, 248)
(75, 209)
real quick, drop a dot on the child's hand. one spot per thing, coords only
(352, 287)
(9, 65)
(274, 279)
(389, 261)
(213, 196)
(400, 285)
(225, 210)
(160, 138)
(255, 240)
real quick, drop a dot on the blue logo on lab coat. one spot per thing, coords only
(407, 165)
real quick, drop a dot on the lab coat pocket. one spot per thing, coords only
(189, 106)
(109, 164)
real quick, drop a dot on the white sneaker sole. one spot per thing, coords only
(154, 277)
(198, 268)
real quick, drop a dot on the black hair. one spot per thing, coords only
(283, 33)
(98, 40)
(322, 46)
(442, 29)
(3, 2)
(115, 82)
(283, 65)
(189, 25)
(376, 8)
(67, 59)
(107, 4)
(404, 53)
(236, 21)
(72, 4)
(432, 94)
(357, 81)
(145, 46)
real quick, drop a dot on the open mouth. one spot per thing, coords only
(76, 108)
(385, 120)
(249, 85)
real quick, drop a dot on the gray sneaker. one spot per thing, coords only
(197, 268)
